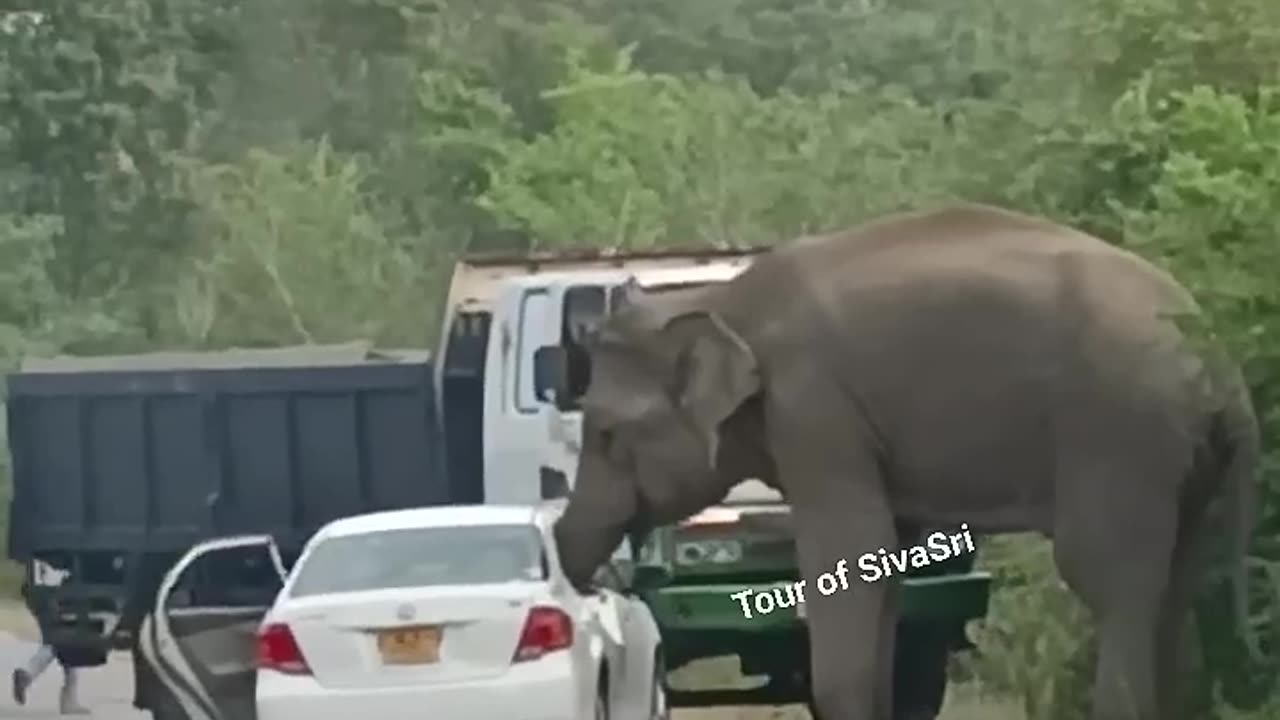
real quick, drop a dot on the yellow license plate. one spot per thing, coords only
(410, 646)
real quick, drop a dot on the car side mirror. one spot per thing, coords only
(550, 373)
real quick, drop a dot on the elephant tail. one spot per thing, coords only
(1239, 441)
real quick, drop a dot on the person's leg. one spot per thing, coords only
(24, 676)
(40, 661)
(69, 701)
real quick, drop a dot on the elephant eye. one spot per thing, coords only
(606, 439)
(610, 448)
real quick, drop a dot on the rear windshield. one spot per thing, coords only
(421, 557)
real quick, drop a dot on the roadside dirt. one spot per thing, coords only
(15, 619)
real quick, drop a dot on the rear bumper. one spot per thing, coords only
(542, 690)
(709, 608)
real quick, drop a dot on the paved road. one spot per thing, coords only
(107, 690)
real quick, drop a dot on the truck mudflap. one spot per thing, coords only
(681, 608)
(200, 650)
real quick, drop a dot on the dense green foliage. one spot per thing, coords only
(205, 173)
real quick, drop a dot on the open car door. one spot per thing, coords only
(200, 640)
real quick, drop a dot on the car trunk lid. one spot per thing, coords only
(411, 636)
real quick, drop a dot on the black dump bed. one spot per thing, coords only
(151, 453)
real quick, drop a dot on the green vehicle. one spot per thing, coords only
(746, 543)
(506, 433)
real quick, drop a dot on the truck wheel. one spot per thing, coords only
(920, 679)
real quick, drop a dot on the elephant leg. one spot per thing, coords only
(840, 512)
(887, 648)
(1118, 557)
(1122, 461)
(846, 631)
(830, 472)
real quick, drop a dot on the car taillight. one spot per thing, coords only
(546, 629)
(278, 650)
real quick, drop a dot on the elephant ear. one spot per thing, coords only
(714, 373)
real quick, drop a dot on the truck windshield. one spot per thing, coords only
(585, 307)
(421, 557)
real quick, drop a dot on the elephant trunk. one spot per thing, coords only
(584, 549)
(599, 514)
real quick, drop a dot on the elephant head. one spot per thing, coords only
(667, 371)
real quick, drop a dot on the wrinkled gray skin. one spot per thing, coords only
(962, 365)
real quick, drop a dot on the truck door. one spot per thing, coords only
(530, 445)
(525, 321)
(200, 640)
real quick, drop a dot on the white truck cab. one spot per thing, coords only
(500, 435)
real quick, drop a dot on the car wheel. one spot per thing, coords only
(658, 707)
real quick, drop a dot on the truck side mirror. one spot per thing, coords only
(550, 373)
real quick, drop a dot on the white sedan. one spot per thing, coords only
(444, 612)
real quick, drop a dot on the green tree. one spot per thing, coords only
(294, 251)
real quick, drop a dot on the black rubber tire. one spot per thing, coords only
(920, 679)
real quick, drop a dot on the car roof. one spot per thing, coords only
(438, 516)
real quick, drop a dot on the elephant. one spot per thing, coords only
(965, 363)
